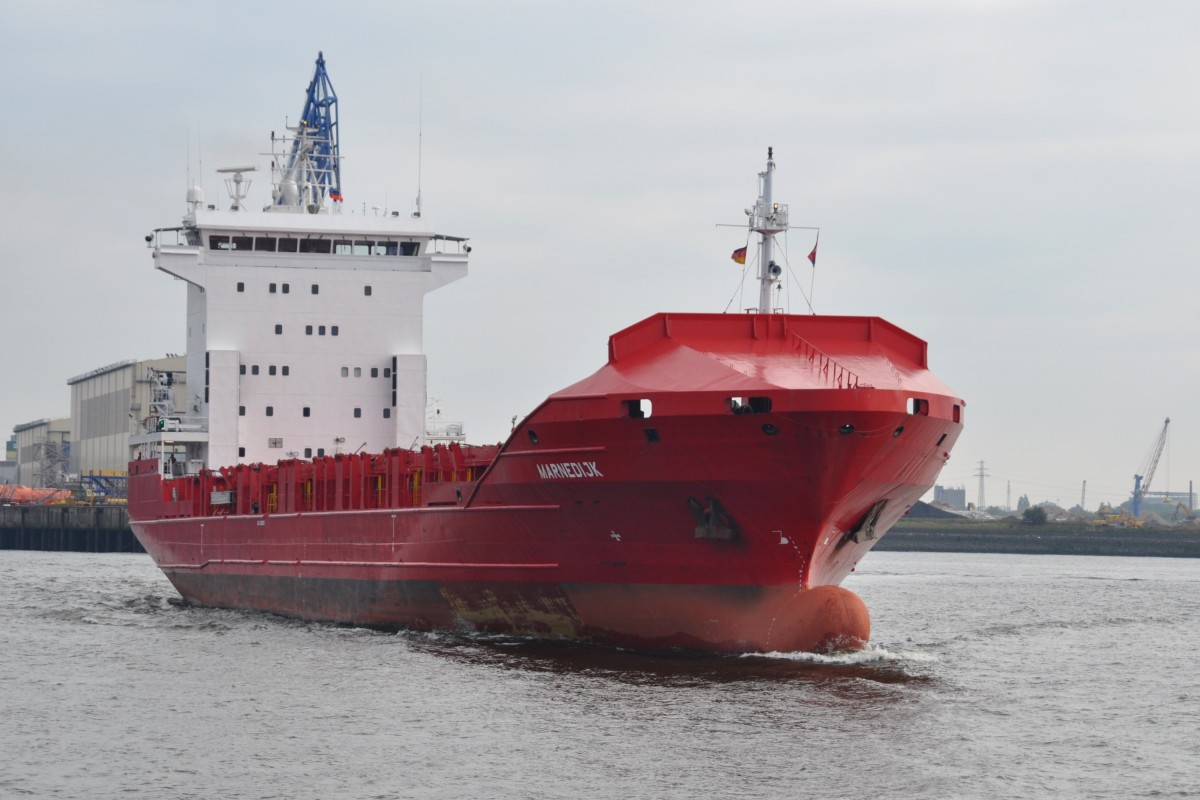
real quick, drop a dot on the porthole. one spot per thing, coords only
(898, 431)
(770, 430)
(533, 437)
(846, 429)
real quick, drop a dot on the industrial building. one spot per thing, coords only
(91, 448)
(43, 451)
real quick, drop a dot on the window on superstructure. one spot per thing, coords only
(254, 369)
(345, 372)
(270, 411)
(409, 248)
(366, 290)
(342, 247)
(321, 330)
(241, 411)
(241, 452)
(242, 242)
(387, 372)
(264, 244)
(307, 411)
(320, 452)
(288, 245)
(242, 369)
(315, 246)
(278, 329)
(218, 243)
(271, 288)
(387, 248)
(308, 452)
(333, 330)
(357, 413)
(274, 442)
(316, 289)
(241, 286)
(387, 413)
(285, 369)
(286, 288)
(374, 372)
(271, 370)
(358, 372)
(362, 248)
(308, 330)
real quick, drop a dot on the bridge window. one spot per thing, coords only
(243, 242)
(315, 246)
(219, 243)
(409, 248)
(264, 244)
(288, 245)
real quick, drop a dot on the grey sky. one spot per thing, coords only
(1015, 182)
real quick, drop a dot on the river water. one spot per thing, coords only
(988, 676)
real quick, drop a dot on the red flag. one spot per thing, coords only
(813, 256)
(739, 255)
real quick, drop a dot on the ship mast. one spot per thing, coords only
(767, 218)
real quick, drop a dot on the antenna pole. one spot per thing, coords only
(767, 218)
(420, 140)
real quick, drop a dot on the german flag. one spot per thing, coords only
(739, 255)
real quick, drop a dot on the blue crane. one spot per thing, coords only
(1140, 488)
(313, 169)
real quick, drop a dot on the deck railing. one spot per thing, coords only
(824, 364)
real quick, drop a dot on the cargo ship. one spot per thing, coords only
(708, 487)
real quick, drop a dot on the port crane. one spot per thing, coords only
(1140, 485)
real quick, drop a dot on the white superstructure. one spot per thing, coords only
(304, 326)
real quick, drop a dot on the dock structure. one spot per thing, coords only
(84, 529)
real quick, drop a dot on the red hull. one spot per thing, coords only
(707, 524)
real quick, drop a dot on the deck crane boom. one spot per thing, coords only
(312, 169)
(1139, 487)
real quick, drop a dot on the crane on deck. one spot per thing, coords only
(1142, 485)
(312, 169)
